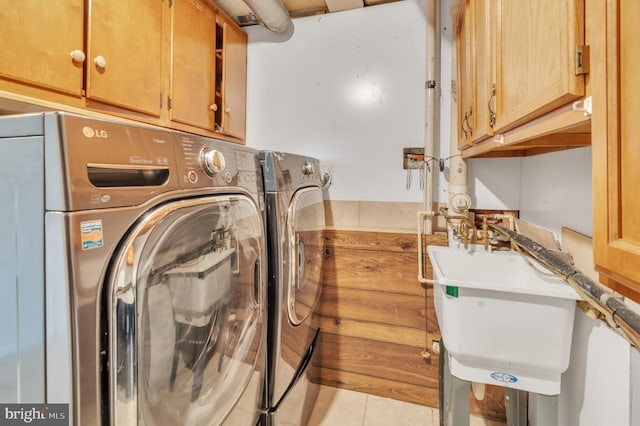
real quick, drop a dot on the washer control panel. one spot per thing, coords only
(212, 161)
(207, 162)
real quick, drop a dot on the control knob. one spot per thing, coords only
(212, 161)
(307, 168)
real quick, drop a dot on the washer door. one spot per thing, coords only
(186, 313)
(305, 227)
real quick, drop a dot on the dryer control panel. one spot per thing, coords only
(289, 172)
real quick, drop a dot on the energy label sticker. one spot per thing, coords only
(91, 233)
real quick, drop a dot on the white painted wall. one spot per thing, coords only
(550, 190)
(555, 190)
(347, 88)
(596, 388)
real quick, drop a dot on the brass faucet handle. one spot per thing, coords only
(464, 227)
(462, 232)
(484, 234)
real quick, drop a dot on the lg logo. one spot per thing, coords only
(90, 133)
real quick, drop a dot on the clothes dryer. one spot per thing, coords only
(133, 263)
(295, 241)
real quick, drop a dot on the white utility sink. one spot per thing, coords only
(503, 321)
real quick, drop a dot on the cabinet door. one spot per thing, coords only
(193, 64)
(616, 152)
(536, 58)
(475, 55)
(234, 80)
(124, 58)
(483, 11)
(464, 44)
(36, 48)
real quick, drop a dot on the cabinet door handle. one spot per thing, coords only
(213, 107)
(77, 56)
(227, 109)
(100, 61)
(464, 120)
(492, 113)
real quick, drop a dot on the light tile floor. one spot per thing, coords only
(342, 407)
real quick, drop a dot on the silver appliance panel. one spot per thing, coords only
(96, 181)
(295, 223)
(107, 164)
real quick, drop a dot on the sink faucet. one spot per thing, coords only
(463, 228)
(467, 232)
(484, 234)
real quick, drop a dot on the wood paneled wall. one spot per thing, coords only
(377, 320)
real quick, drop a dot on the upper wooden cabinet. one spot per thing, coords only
(178, 64)
(616, 152)
(193, 65)
(522, 77)
(37, 49)
(476, 77)
(124, 54)
(208, 70)
(233, 81)
(536, 61)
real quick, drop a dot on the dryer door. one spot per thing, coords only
(305, 227)
(186, 314)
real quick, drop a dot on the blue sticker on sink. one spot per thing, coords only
(504, 377)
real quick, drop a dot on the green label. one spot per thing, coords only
(452, 291)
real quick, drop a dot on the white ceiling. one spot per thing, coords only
(297, 8)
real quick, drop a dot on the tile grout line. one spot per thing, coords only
(366, 406)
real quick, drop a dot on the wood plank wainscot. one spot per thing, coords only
(376, 320)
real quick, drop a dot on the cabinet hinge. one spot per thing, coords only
(582, 60)
(430, 84)
(169, 102)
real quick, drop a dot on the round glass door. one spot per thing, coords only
(187, 313)
(305, 225)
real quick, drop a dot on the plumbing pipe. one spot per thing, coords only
(431, 128)
(616, 313)
(459, 200)
(271, 13)
(421, 222)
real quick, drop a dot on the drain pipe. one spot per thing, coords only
(431, 127)
(459, 199)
